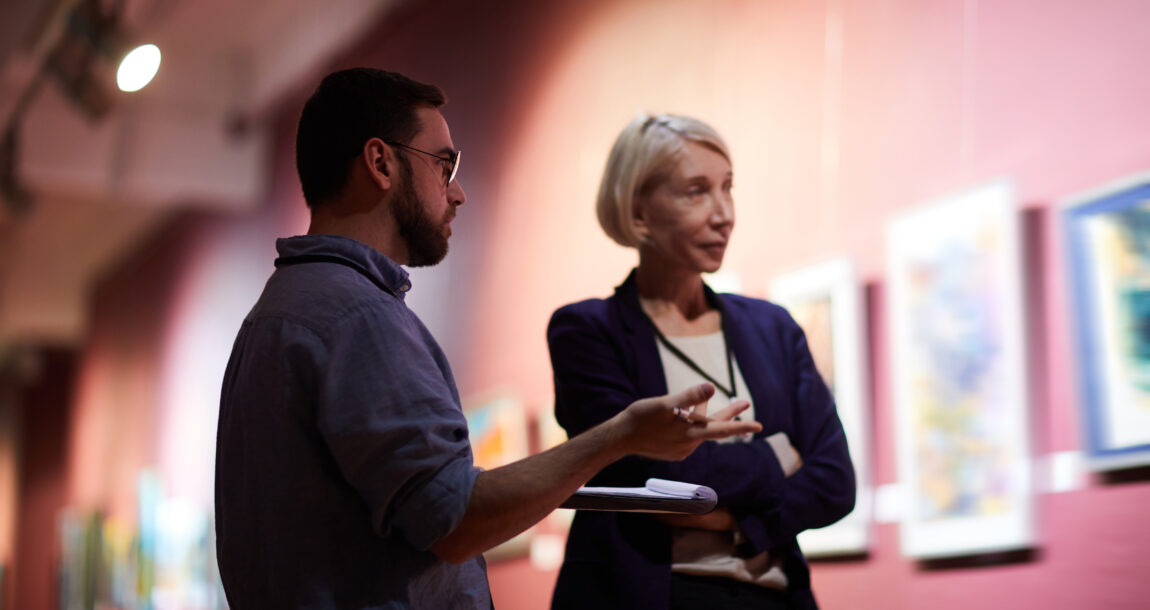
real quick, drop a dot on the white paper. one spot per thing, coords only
(656, 488)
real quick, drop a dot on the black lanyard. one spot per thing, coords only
(285, 261)
(694, 366)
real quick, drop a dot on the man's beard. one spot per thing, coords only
(426, 243)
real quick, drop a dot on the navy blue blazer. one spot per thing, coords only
(604, 357)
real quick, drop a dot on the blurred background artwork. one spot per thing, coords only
(137, 228)
(550, 539)
(1108, 241)
(497, 425)
(498, 428)
(166, 560)
(959, 374)
(826, 300)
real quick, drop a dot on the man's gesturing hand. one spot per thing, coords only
(671, 427)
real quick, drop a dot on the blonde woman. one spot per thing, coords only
(666, 192)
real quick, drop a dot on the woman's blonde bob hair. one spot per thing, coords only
(641, 159)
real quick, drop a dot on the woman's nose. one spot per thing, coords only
(723, 209)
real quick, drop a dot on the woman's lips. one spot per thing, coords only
(715, 247)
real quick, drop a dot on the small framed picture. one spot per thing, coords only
(1107, 243)
(497, 426)
(827, 302)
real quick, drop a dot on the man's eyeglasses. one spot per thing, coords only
(450, 164)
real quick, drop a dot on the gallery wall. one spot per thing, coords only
(838, 114)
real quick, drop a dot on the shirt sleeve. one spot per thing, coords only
(389, 413)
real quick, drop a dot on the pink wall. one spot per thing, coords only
(921, 100)
(838, 114)
(45, 419)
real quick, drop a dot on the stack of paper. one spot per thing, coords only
(657, 496)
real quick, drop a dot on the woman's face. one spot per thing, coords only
(687, 219)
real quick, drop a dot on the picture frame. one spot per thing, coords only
(959, 374)
(1106, 235)
(497, 428)
(547, 428)
(549, 541)
(826, 300)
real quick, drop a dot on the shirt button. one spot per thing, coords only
(405, 287)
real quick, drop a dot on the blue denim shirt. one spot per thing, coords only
(342, 452)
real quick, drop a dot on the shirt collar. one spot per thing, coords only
(372, 261)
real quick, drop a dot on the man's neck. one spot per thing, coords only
(362, 226)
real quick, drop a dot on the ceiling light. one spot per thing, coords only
(138, 67)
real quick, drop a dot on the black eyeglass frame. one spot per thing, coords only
(452, 161)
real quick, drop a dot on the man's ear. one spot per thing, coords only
(379, 162)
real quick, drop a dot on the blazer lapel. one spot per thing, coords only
(640, 340)
(752, 357)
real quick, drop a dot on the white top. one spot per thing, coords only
(702, 552)
(710, 353)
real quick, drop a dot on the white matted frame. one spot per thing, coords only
(959, 376)
(1107, 245)
(497, 428)
(826, 300)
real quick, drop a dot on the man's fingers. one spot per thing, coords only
(722, 429)
(692, 396)
(700, 412)
(727, 413)
(730, 411)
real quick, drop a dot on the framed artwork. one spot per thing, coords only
(959, 381)
(550, 432)
(497, 427)
(1107, 240)
(826, 301)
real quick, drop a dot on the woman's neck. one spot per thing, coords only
(675, 300)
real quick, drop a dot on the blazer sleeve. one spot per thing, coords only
(823, 489)
(595, 376)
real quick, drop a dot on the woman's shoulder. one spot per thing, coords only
(757, 308)
(587, 311)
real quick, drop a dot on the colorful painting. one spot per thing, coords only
(825, 299)
(498, 429)
(164, 560)
(959, 374)
(497, 425)
(551, 434)
(547, 547)
(1108, 240)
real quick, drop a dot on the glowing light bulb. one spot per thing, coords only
(138, 68)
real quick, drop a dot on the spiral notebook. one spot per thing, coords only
(657, 496)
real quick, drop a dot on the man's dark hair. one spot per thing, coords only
(347, 109)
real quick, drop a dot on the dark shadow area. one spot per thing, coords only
(874, 323)
(984, 560)
(44, 400)
(1035, 280)
(1138, 474)
(873, 304)
(836, 559)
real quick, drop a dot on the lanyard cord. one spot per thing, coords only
(694, 366)
(285, 261)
